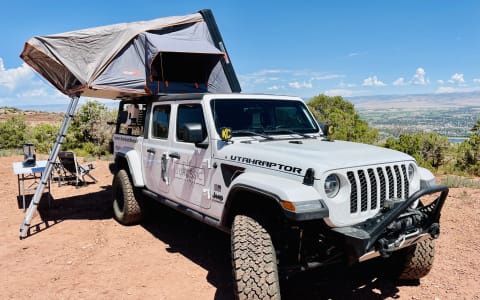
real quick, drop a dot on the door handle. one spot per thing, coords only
(164, 168)
(174, 155)
(151, 151)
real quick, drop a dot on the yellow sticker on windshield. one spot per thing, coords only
(226, 133)
(331, 130)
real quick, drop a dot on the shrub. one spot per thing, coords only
(43, 136)
(90, 130)
(12, 132)
(460, 182)
(429, 149)
(341, 114)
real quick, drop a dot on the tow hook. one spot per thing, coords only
(385, 247)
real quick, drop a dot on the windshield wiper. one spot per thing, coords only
(267, 137)
(293, 132)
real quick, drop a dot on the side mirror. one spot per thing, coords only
(193, 133)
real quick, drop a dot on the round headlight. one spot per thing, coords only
(332, 185)
(411, 172)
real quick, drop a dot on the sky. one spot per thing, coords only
(302, 48)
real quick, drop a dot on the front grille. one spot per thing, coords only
(370, 187)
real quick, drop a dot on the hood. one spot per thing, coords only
(295, 156)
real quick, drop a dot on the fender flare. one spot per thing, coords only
(134, 166)
(279, 189)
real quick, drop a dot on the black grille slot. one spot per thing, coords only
(363, 190)
(383, 186)
(399, 181)
(406, 186)
(353, 194)
(391, 184)
(373, 188)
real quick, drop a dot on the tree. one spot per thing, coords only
(341, 114)
(43, 136)
(476, 127)
(89, 129)
(429, 149)
(12, 132)
(468, 156)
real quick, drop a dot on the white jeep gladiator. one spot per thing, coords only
(262, 169)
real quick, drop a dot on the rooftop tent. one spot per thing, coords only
(162, 56)
(167, 55)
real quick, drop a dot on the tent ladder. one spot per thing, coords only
(32, 208)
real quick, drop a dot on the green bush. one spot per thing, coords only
(89, 130)
(468, 154)
(12, 132)
(429, 149)
(341, 114)
(43, 136)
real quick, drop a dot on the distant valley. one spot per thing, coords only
(451, 115)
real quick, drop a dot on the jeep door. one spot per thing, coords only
(191, 165)
(155, 150)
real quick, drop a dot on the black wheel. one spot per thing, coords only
(126, 207)
(254, 261)
(415, 261)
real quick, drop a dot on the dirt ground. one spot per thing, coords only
(76, 250)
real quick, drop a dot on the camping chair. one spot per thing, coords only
(68, 164)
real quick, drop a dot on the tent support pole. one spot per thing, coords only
(32, 208)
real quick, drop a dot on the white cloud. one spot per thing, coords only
(14, 78)
(270, 71)
(476, 80)
(326, 76)
(20, 86)
(343, 84)
(40, 92)
(399, 82)
(420, 77)
(299, 85)
(457, 78)
(372, 81)
(353, 54)
(445, 90)
(440, 81)
(456, 89)
(276, 87)
(338, 92)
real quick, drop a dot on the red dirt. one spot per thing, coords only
(85, 254)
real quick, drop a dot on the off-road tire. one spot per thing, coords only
(415, 261)
(126, 207)
(255, 271)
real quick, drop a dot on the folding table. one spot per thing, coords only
(29, 173)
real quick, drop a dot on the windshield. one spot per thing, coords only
(247, 116)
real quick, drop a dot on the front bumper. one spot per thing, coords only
(396, 228)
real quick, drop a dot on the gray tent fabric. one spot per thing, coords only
(166, 55)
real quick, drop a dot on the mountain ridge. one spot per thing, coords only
(438, 101)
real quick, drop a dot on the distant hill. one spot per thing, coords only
(110, 104)
(438, 101)
(31, 117)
